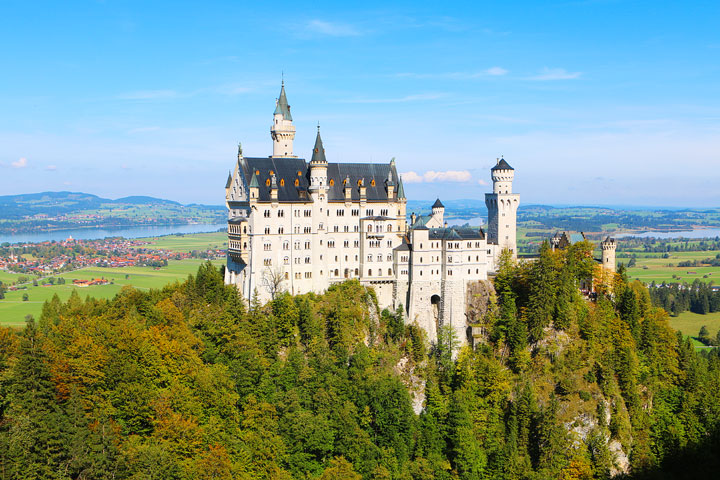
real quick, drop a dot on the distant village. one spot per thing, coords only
(50, 258)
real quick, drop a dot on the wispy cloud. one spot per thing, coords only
(149, 95)
(447, 176)
(51, 168)
(490, 72)
(408, 98)
(555, 74)
(482, 182)
(20, 163)
(332, 29)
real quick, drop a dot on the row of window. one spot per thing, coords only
(454, 245)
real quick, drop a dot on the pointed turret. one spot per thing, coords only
(282, 130)
(229, 180)
(282, 107)
(254, 182)
(401, 188)
(318, 167)
(318, 155)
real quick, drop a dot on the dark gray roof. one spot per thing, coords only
(236, 220)
(318, 155)
(502, 165)
(357, 171)
(401, 189)
(457, 233)
(229, 181)
(289, 169)
(282, 104)
(438, 204)
(404, 246)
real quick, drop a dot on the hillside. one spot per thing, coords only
(185, 382)
(60, 210)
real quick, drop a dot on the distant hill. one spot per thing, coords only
(14, 207)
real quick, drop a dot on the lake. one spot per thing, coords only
(699, 233)
(97, 233)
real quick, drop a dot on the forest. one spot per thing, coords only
(186, 382)
(697, 297)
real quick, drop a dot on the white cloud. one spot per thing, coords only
(51, 168)
(332, 29)
(489, 72)
(21, 163)
(482, 182)
(447, 176)
(555, 74)
(407, 98)
(148, 95)
(495, 71)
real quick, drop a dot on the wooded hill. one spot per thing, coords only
(187, 383)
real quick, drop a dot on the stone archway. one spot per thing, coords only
(435, 303)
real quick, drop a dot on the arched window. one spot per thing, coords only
(337, 272)
(390, 271)
(369, 272)
(282, 182)
(370, 228)
(332, 182)
(297, 182)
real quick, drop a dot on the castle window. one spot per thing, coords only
(346, 244)
(286, 245)
(267, 230)
(331, 243)
(389, 258)
(308, 274)
(337, 272)
(346, 228)
(282, 182)
(267, 182)
(307, 260)
(299, 173)
(379, 258)
(267, 262)
(355, 212)
(356, 244)
(272, 173)
(356, 228)
(372, 182)
(281, 213)
(332, 182)
(336, 228)
(281, 230)
(384, 212)
(369, 258)
(287, 275)
(320, 226)
(286, 261)
(390, 227)
(357, 272)
(296, 182)
(267, 246)
(307, 245)
(257, 172)
(369, 272)
(389, 271)
(297, 275)
(369, 229)
(359, 182)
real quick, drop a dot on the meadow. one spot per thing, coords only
(13, 309)
(188, 242)
(652, 267)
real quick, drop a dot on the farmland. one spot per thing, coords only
(13, 309)
(652, 267)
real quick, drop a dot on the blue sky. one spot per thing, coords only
(593, 102)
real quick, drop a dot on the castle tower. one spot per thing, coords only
(318, 167)
(608, 247)
(502, 207)
(282, 130)
(438, 211)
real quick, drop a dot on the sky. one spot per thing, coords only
(592, 102)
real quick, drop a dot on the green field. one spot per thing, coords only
(13, 310)
(8, 277)
(658, 269)
(189, 242)
(689, 323)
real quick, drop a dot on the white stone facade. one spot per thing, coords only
(300, 226)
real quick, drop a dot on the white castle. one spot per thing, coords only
(300, 227)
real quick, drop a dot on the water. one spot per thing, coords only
(699, 233)
(473, 221)
(97, 233)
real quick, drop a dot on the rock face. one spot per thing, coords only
(480, 300)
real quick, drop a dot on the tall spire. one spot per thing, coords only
(318, 155)
(282, 104)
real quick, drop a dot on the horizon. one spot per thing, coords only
(593, 103)
(618, 207)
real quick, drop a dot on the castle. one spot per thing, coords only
(301, 226)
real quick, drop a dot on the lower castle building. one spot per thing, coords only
(301, 226)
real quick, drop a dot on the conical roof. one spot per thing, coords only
(401, 189)
(229, 181)
(438, 204)
(254, 181)
(282, 104)
(318, 155)
(502, 165)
